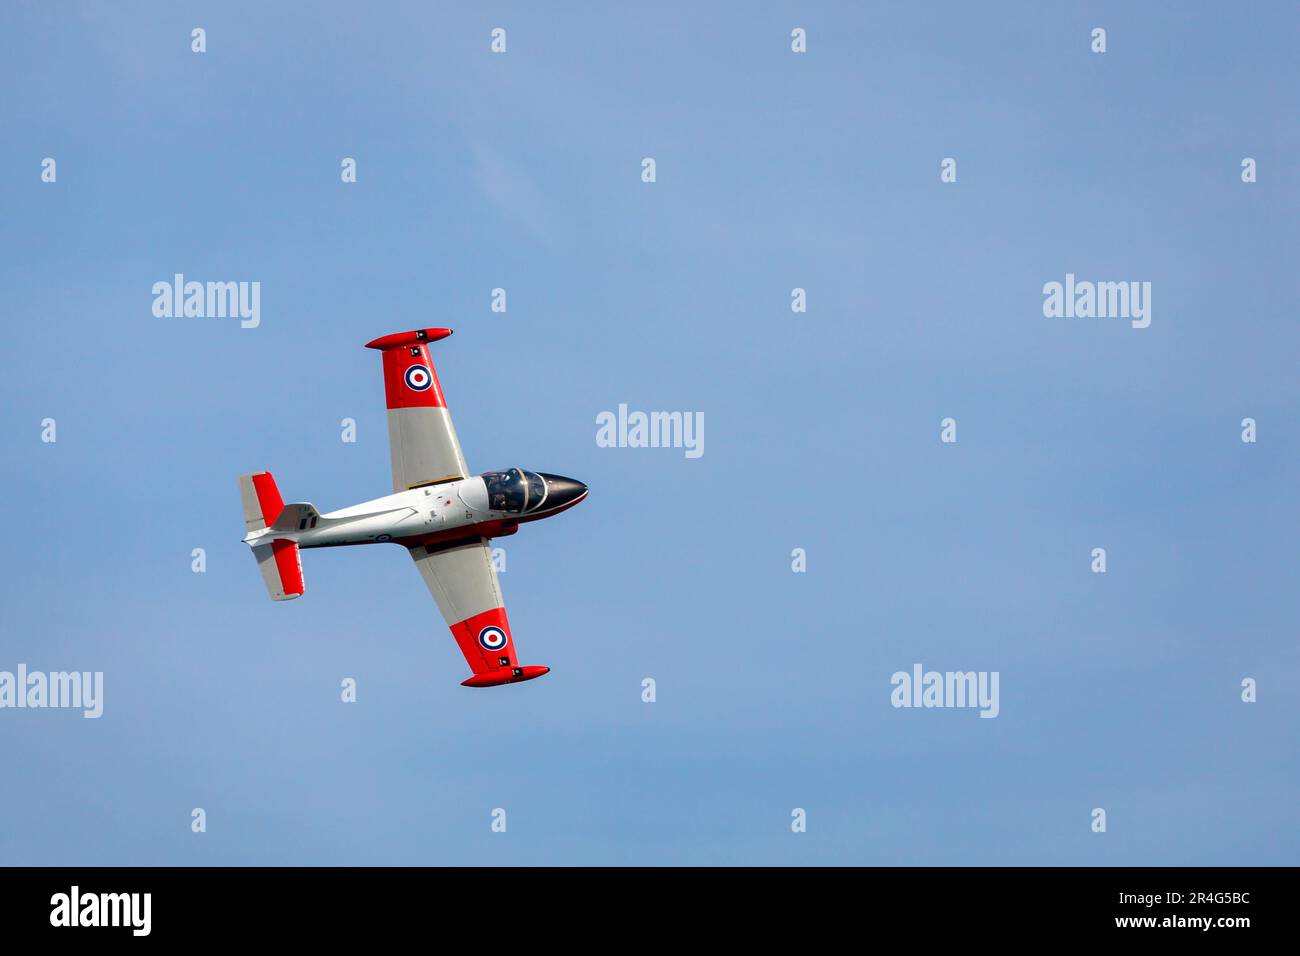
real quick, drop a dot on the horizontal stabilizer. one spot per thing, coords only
(281, 566)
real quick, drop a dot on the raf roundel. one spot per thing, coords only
(418, 378)
(493, 638)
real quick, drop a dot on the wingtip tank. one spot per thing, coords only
(415, 337)
(506, 675)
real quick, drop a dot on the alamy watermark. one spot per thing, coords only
(651, 430)
(922, 688)
(37, 689)
(1101, 300)
(208, 300)
(130, 910)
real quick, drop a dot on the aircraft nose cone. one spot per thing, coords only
(561, 491)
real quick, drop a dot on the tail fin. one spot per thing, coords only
(278, 559)
(262, 501)
(301, 516)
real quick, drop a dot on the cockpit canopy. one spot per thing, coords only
(514, 491)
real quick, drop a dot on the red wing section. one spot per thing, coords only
(421, 437)
(462, 580)
(485, 641)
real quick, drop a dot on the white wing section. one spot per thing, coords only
(461, 579)
(424, 448)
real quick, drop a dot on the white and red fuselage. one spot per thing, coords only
(486, 506)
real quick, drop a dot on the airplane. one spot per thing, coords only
(438, 511)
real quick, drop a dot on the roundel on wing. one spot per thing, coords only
(418, 378)
(493, 638)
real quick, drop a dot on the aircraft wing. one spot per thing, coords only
(421, 438)
(425, 450)
(460, 576)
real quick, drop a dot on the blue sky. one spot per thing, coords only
(774, 171)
